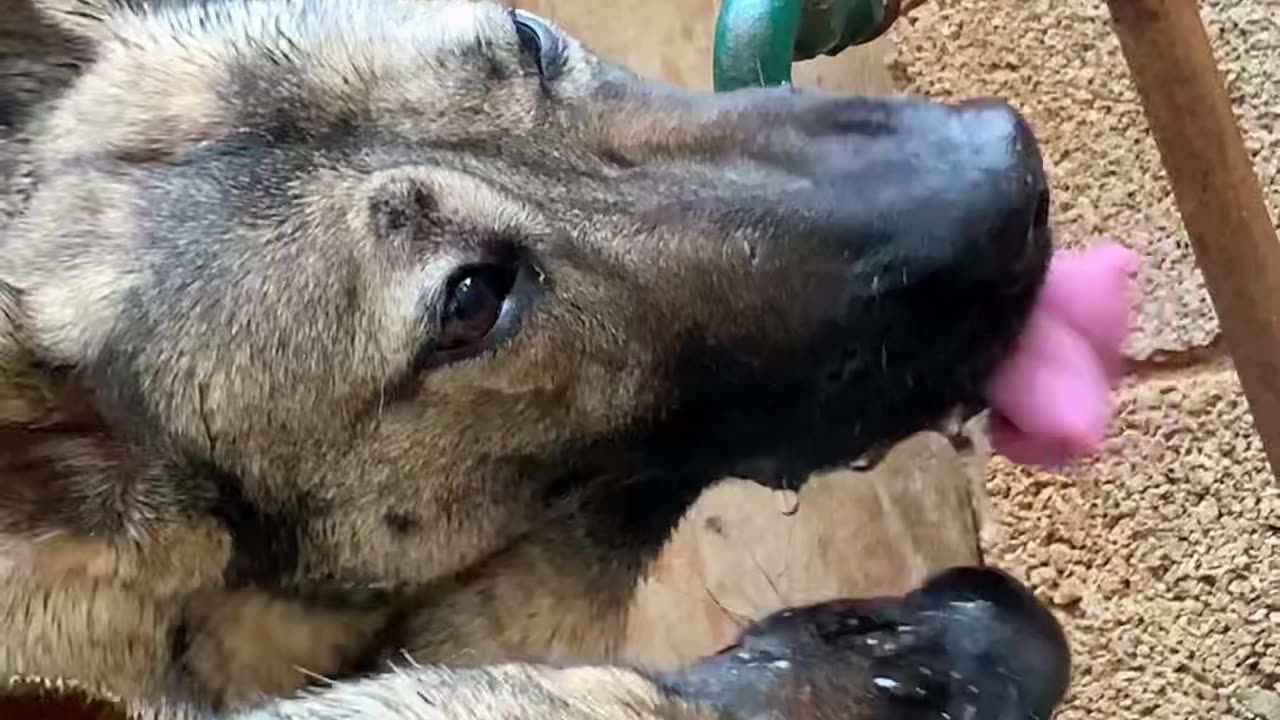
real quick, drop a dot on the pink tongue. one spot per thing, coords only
(1051, 400)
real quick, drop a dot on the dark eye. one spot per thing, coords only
(473, 305)
(539, 42)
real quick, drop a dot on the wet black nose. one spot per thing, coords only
(923, 189)
(999, 137)
(995, 130)
(1005, 645)
(973, 197)
(972, 643)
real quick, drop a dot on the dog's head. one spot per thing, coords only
(388, 286)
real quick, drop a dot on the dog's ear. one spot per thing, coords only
(62, 467)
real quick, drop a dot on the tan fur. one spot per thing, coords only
(100, 611)
(501, 693)
(106, 605)
(227, 245)
(264, 643)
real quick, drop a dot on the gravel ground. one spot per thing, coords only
(1163, 555)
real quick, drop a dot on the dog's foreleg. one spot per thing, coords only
(503, 692)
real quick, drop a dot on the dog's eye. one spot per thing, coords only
(473, 305)
(539, 42)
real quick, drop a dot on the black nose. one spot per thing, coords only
(994, 128)
(998, 638)
(972, 198)
(972, 643)
(1016, 195)
(1000, 139)
(914, 190)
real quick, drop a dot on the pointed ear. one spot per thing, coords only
(62, 468)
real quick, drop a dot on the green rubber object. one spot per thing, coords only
(757, 40)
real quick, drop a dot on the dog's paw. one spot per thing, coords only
(971, 644)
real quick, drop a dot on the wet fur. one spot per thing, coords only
(222, 475)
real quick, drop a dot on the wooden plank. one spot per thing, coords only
(1216, 190)
(741, 553)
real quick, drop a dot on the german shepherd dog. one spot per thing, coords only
(356, 356)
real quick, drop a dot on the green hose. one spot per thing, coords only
(757, 40)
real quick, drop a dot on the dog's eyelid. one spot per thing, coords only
(542, 43)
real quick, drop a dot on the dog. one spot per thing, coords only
(356, 356)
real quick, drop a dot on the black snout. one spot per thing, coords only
(1006, 650)
(912, 254)
(868, 263)
(971, 643)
